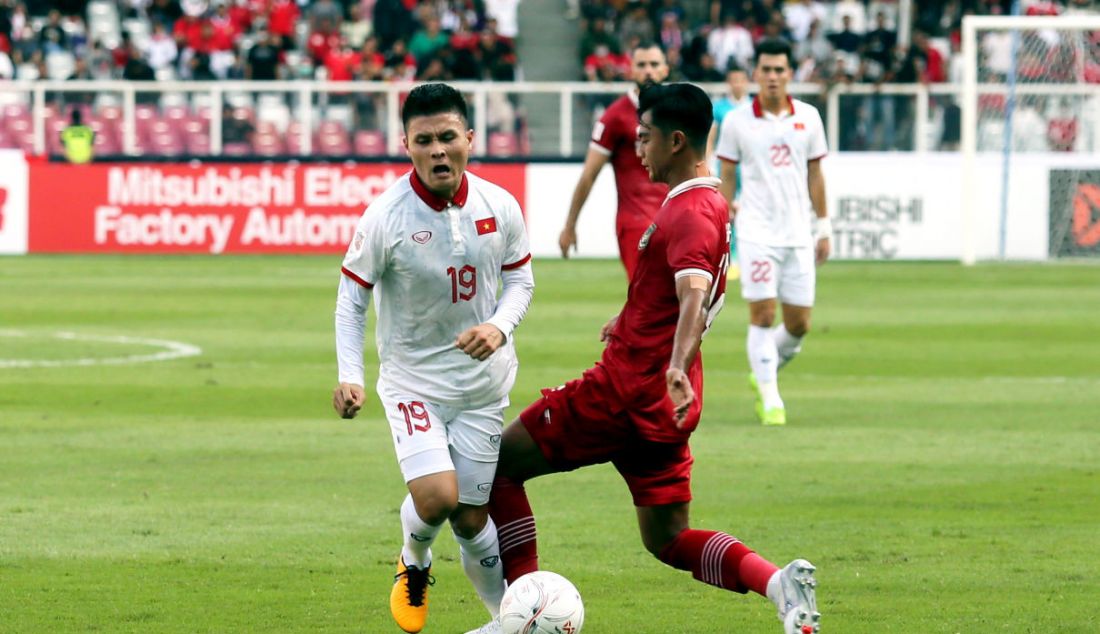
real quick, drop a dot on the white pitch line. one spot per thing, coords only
(172, 350)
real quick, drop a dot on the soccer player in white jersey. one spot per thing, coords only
(783, 227)
(432, 250)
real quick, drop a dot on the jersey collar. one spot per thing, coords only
(694, 183)
(758, 108)
(435, 202)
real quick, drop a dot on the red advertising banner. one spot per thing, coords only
(213, 208)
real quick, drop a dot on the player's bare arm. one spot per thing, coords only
(691, 290)
(729, 184)
(823, 227)
(348, 399)
(593, 163)
(481, 341)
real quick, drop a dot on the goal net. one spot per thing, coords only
(1031, 137)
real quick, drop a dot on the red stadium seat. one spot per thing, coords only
(111, 113)
(15, 111)
(502, 144)
(370, 143)
(236, 149)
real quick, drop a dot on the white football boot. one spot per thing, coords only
(792, 591)
(492, 627)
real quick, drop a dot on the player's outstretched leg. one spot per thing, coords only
(712, 557)
(520, 460)
(792, 589)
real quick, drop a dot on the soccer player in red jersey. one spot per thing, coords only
(614, 140)
(638, 406)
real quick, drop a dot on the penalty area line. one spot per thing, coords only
(169, 350)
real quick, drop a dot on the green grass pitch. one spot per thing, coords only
(941, 465)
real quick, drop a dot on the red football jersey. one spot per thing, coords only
(616, 134)
(689, 236)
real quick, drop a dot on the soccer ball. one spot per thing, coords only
(541, 602)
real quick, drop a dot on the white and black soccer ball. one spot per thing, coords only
(542, 602)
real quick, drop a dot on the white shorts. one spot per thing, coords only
(787, 273)
(432, 438)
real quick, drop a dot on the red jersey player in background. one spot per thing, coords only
(638, 406)
(614, 139)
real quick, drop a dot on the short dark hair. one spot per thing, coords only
(734, 67)
(774, 46)
(428, 99)
(679, 106)
(645, 45)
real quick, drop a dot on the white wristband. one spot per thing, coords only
(823, 228)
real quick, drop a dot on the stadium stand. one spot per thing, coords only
(837, 42)
(148, 40)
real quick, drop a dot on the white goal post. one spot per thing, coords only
(1020, 74)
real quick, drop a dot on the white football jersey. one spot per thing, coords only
(435, 267)
(773, 152)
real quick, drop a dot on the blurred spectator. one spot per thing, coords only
(199, 68)
(342, 61)
(800, 16)
(603, 65)
(428, 40)
(400, 64)
(934, 70)
(671, 34)
(160, 50)
(78, 139)
(635, 24)
(433, 70)
(675, 65)
(7, 68)
(729, 42)
(165, 12)
(812, 54)
(281, 18)
(356, 28)
(325, 11)
(846, 40)
(878, 49)
(52, 38)
(392, 21)
(497, 56)
(100, 62)
(505, 12)
(596, 34)
(263, 58)
(707, 70)
(324, 38)
(236, 128)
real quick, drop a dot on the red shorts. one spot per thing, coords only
(585, 422)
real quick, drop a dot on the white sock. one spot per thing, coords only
(481, 561)
(774, 593)
(764, 360)
(787, 344)
(418, 535)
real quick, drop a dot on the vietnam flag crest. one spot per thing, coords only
(486, 225)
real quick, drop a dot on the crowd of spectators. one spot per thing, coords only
(259, 39)
(843, 41)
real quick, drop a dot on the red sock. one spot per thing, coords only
(515, 521)
(719, 560)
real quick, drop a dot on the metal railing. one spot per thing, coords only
(574, 105)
